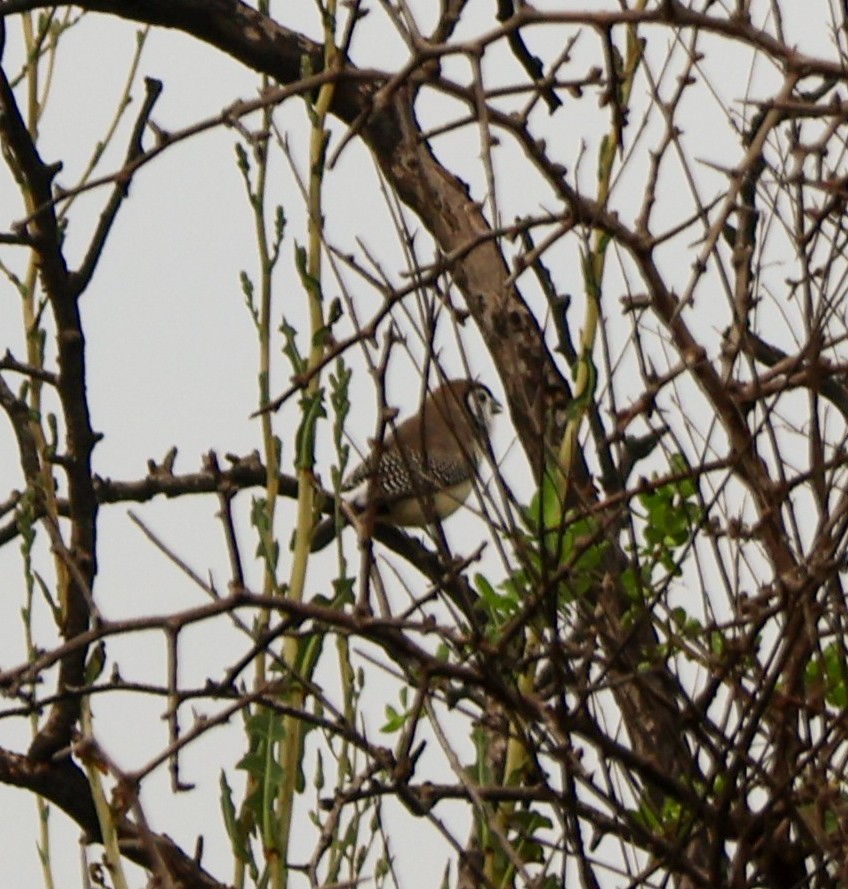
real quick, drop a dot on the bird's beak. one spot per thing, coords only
(497, 407)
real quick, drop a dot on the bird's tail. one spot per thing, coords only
(325, 532)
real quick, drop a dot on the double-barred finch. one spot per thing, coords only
(425, 470)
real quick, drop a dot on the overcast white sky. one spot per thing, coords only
(172, 356)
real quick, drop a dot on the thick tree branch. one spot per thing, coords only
(64, 784)
(37, 179)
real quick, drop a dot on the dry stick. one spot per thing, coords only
(80, 279)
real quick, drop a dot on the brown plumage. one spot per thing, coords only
(425, 469)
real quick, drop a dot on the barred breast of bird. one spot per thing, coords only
(409, 493)
(405, 474)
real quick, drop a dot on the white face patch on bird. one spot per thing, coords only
(482, 406)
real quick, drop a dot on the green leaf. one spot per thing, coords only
(397, 719)
(312, 410)
(335, 312)
(52, 604)
(267, 549)
(249, 299)
(485, 589)
(499, 606)
(290, 348)
(673, 513)
(235, 831)
(830, 671)
(545, 513)
(95, 663)
(394, 721)
(279, 225)
(343, 591)
(261, 767)
(242, 160)
(265, 726)
(310, 283)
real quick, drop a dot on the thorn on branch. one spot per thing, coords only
(51, 171)
(166, 467)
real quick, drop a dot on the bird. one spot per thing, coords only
(424, 470)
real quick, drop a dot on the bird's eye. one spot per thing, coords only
(481, 405)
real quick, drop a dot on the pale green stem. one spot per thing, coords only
(597, 262)
(109, 836)
(292, 748)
